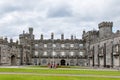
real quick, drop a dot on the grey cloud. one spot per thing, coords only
(59, 18)
(59, 11)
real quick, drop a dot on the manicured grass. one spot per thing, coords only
(58, 71)
(35, 77)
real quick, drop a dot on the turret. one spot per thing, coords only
(41, 36)
(30, 30)
(52, 35)
(71, 37)
(105, 29)
(62, 36)
(6, 39)
(11, 40)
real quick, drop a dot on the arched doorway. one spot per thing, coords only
(13, 60)
(62, 62)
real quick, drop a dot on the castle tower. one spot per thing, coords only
(11, 40)
(84, 32)
(41, 36)
(30, 30)
(71, 37)
(62, 36)
(6, 39)
(105, 29)
(52, 35)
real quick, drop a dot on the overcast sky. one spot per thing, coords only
(58, 16)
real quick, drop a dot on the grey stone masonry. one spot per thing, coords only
(103, 49)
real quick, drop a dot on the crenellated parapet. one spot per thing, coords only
(105, 29)
(105, 24)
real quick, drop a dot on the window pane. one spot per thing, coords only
(62, 45)
(71, 45)
(63, 53)
(54, 45)
(36, 45)
(71, 53)
(36, 53)
(81, 53)
(45, 53)
(45, 45)
(53, 53)
(81, 45)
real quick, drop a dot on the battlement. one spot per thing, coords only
(105, 24)
(92, 32)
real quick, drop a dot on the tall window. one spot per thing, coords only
(81, 53)
(53, 53)
(102, 51)
(36, 53)
(117, 48)
(62, 53)
(45, 45)
(54, 45)
(71, 53)
(71, 45)
(81, 45)
(62, 45)
(45, 53)
(36, 45)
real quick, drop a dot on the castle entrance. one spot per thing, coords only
(13, 60)
(62, 62)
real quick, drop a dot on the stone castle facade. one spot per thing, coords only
(103, 46)
(99, 48)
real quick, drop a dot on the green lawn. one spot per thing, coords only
(58, 71)
(34, 77)
(39, 71)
